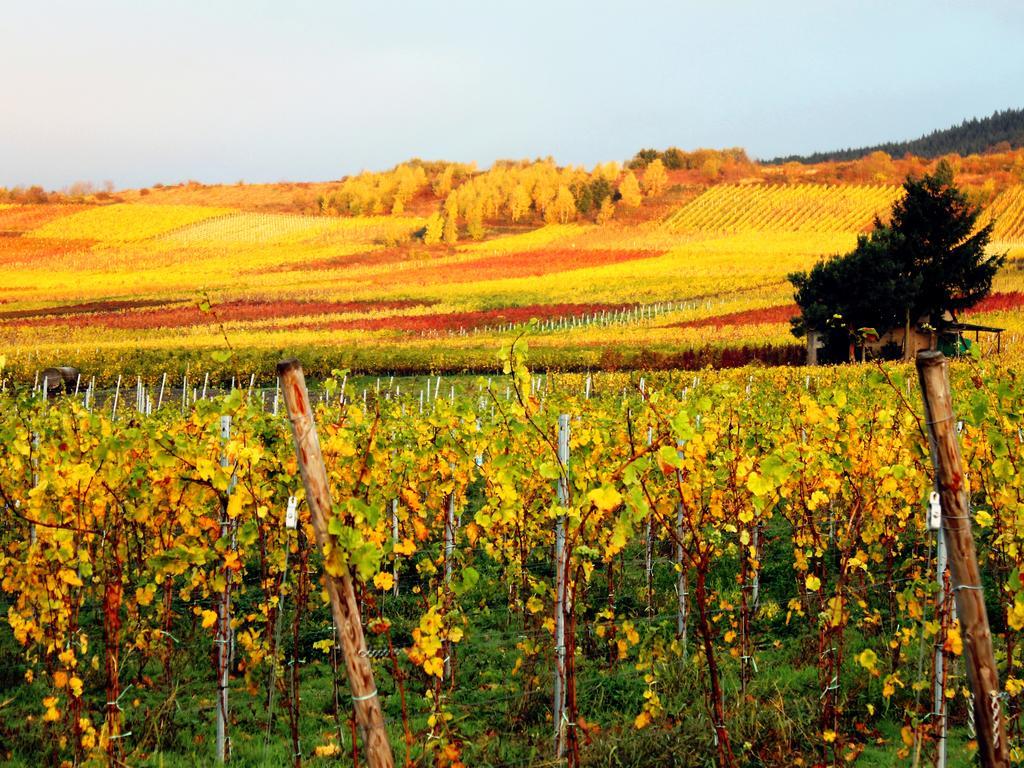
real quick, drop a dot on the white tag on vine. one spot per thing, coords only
(291, 516)
(934, 512)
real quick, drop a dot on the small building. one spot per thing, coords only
(951, 337)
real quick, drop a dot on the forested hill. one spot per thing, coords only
(1003, 130)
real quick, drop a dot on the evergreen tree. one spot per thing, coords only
(930, 259)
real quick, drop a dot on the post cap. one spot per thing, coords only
(928, 358)
(287, 365)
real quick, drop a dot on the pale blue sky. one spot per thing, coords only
(141, 91)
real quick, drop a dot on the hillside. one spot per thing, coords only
(999, 132)
(684, 275)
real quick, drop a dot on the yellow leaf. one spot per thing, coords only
(907, 734)
(70, 577)
(434, 666)
(209, 619)
(405, 547)
(60, 678)
(605, 498)
(384, 581)
(954, 642)
(1015, 616)
(868, 659)
(642, 720)
(813, 583)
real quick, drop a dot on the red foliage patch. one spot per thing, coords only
(528, 264)
(181, 315)
(777, 314)
(998, 302)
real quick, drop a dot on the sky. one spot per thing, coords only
(144, 91)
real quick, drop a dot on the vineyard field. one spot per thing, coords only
(786, 508)
(642, 291)
(815, 208)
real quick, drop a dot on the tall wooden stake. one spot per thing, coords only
(963, 562)
(340, 589)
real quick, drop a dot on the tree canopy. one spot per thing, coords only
(1001, 131)
(929, 259)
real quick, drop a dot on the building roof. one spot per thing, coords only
(970, 327)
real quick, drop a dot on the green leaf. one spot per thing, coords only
(231, 401)
(759, 485)
(221, 355)
(247, 533)
(470, 577)
(875, 378)
(550, 470)
(776, 468)
(682, 429)
(669, 456)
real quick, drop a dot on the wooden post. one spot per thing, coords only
(963, 562)
(340, 589)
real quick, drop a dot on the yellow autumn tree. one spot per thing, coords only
(435, 229)
(450, 233)
(629, 189)
(655, 178)
(519, 203)
(562, 209)
(606, 211)
(475, 219)
(443, 183)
